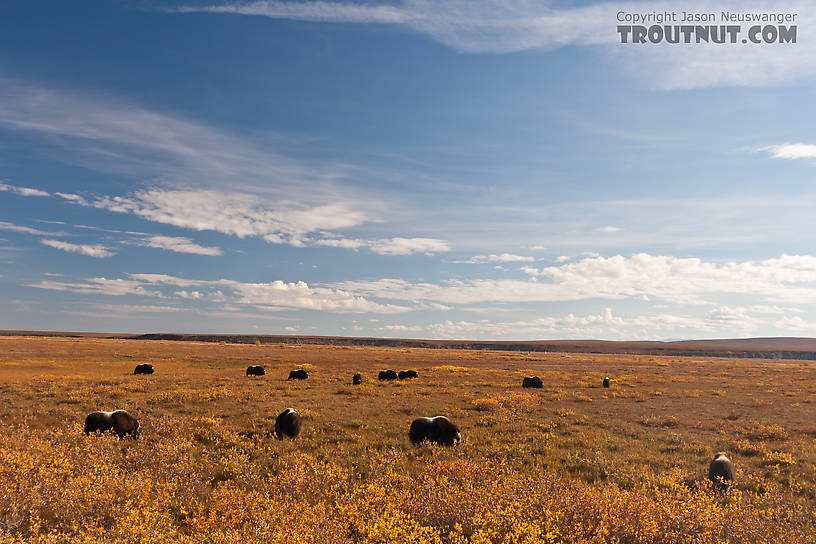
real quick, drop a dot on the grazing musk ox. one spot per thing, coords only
(437, 429)
(118, 421)
(299, 374)
(405, 374)
(255, 370)
(287, 424)
(607, 382)
(357, 379)
(721, 471)
(387, 375)
(143, 368)
(532, 381)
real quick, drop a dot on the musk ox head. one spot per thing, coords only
(287, 424)
(255, 370)
(357, 379)
(721, 471)
(118, 421)
(607, 382)
(299, 374)
(387, 375)
(406, 374)
(532, 381)
(143, 368)
(437, 429)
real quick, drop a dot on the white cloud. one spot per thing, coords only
(791, 151)
(788, 278)
(28, 230)
(506, 26)
(500, 258)
(98, 286)
(23, 191)
(70, 197)
(609, 228)
(388, 246)
(180, 245)
(136, 308)
(100, 252)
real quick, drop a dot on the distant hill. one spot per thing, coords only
(758, 348)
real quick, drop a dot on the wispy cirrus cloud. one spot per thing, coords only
(388, 246)
(98, 251)
(4, 225)
(507, 26)
(497, 258)
(22, 191)
(791, 151)
(179, 244)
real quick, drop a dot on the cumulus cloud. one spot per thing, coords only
(23, 191)
(788, 278)
(179, 244)
(791, 151)
(100, 252)
(507, 26)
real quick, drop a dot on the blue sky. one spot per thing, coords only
(480, 169)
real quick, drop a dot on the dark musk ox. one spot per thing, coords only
(299, 374)
(143, 368)
(118, 421)
(607, 382)
(357, 379)
(532, 381)
(287, 424)
(437, 429)
(255, 370)
(387, 375)
(405, 374)
(721, 471)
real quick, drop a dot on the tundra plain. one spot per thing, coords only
(572, 462)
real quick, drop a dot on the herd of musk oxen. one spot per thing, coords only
(439, 429)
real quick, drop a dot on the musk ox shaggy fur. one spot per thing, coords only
(255, 370)
(405, 374)
(607, 382)
(357, 379)
(287, 424)
(299, 374)
(387, 375)
(437, 429)
(532, 381)
(118, 421)
(143, 368)
(721, 471)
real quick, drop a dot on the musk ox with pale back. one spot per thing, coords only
(118, 421)
(357, 379)
(143, 368)
(408, 374)
(532, 381)
(287, 424)
(299, 374)
(387, 375)
(607, 382)
(721, 471)
(439, 430)
(255, 370)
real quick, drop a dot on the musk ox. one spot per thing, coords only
(387, 375)
(287, 424)
(405, 374)
(721, 471)
(299, 374)
(118, 421)
(607, 382)
(143, 368)
(357, 379)
(532, 381)
(255, 370)
(437, 429)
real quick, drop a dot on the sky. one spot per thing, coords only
(480, 169)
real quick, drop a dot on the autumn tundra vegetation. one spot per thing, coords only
(570, 462)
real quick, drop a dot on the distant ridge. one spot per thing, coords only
(754, 348)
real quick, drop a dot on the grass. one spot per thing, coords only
(572, 462)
